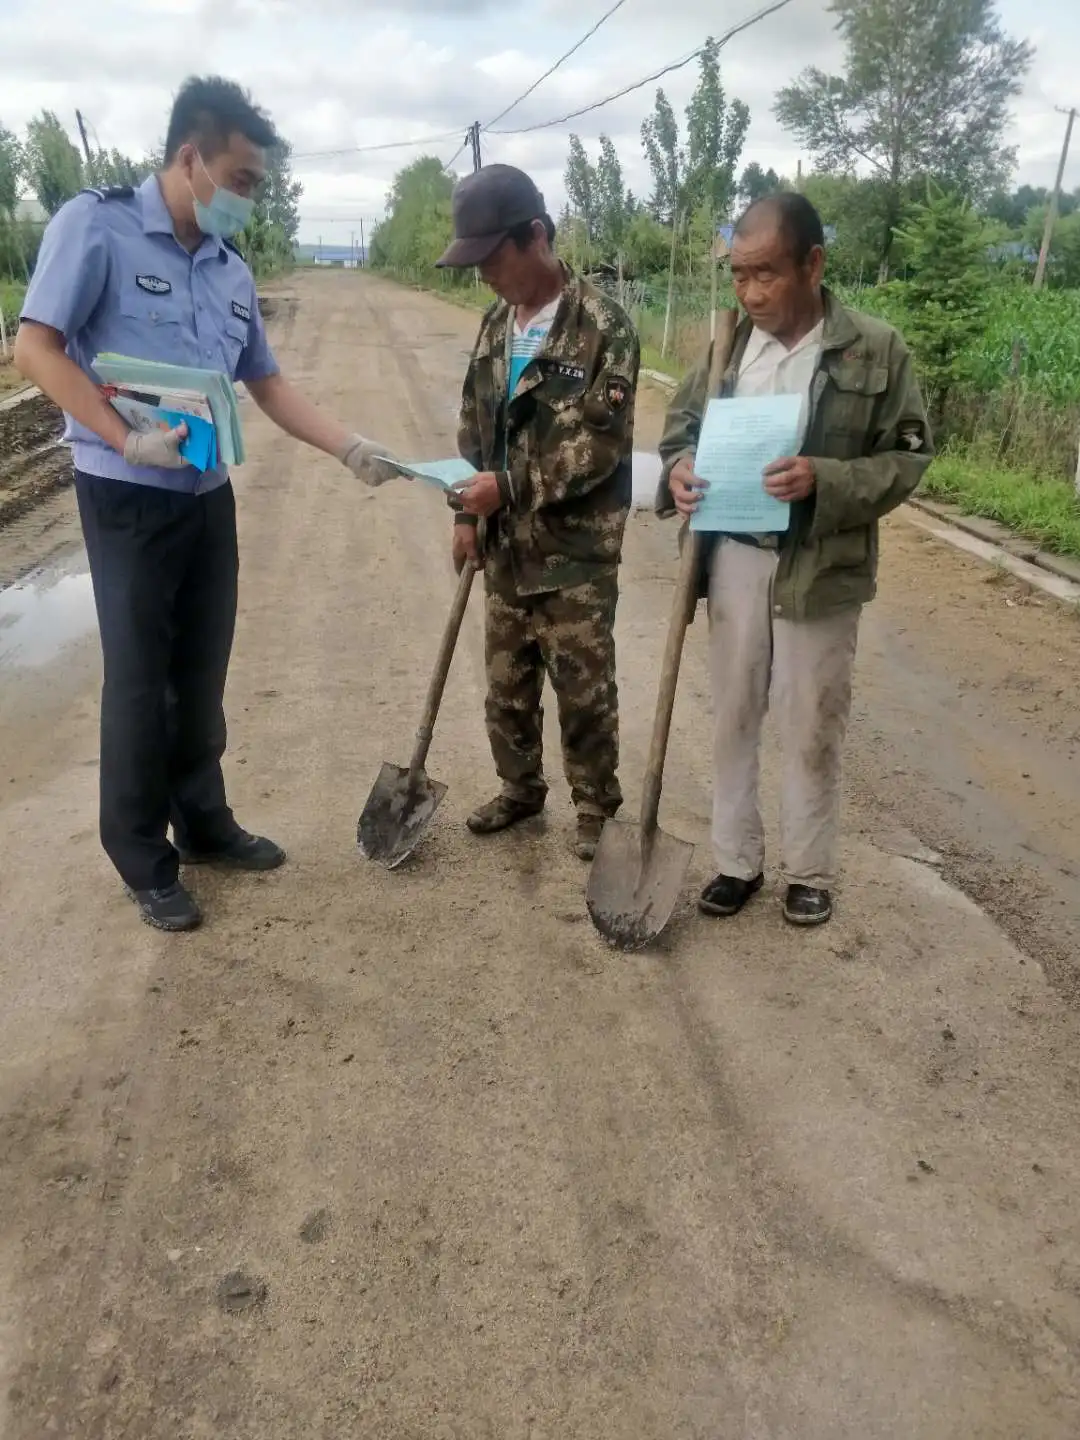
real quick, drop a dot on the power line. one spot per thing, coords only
(656, 75)
(561, 60)
(370, 149)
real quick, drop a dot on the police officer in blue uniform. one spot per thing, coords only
(152, 273)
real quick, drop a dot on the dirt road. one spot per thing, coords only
(413, 1156)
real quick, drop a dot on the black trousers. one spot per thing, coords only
(164, 568)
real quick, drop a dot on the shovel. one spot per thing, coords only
(637, 875)
(638, 872)
(403, 800)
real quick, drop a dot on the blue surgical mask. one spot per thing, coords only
(227, 213)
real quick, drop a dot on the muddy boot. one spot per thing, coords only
(807, 905)
(588, 835)
(501, 813)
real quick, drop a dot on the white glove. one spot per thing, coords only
(366, 459)
(156, 449)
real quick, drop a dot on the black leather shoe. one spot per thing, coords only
(170, 909)
(806, 906)
(726, 895)
(242, 852)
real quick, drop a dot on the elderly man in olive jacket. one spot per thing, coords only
(784, 608)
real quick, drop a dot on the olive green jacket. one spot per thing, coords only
(562, 447)
(870, 444)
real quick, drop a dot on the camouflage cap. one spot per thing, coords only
(487, 206)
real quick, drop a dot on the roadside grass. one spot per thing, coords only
(1046, 511)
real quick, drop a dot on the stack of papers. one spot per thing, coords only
(150, 394)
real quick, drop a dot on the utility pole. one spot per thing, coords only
(363, 251)
(82, 132)
(1052, 208)
(474, 140)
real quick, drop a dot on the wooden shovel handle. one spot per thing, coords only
(437, 684)
(682, 607)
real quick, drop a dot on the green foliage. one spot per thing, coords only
(715, 135)
(660, 139)
(269, 239)
(613, 210)
(110, 167)
(53, 164)
(599, 207)
(419, 223)
(646, 246)
(581, 188)
(702, 173)
(755, 183)
(1063, 264)
(946, 298)
(925, 93)
(1041, 509)
(12, 163)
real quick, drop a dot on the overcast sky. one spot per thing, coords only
(338, 73)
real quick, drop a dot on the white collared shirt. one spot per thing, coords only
(770, 368)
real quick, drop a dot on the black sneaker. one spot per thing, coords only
(805, 905)
(170, 909)
(242, 852)
(726, 896)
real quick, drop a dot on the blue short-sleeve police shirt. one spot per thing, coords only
(111, 276)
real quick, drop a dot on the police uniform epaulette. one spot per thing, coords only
(111, 192)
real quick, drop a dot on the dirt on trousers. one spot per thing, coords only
(413, 1155)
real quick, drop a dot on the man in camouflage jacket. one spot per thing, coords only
(784, 608)
(547, 419)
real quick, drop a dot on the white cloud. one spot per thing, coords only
(338, 73)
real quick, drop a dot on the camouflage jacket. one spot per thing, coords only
(562, 446)
(870, 445)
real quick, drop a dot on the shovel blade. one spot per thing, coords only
(396, 815)
(634, 886)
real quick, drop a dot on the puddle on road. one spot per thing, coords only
(42, 615)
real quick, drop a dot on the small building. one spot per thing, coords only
(347, 257)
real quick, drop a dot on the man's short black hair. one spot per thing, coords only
(524, 235)
(208, 111)
(797, 220)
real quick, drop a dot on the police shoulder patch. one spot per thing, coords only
(111, 192)
(153, 284)
(616, 392)
(241, 312)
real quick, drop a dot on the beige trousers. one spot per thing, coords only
(803, 668)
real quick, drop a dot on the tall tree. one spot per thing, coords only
(418, 224)
(660, 137)
(110, 167)
(610, 196)
(11, 172)
(280, 196)
(715, 134)
(53, 165)
(580, 179)
(755, 183)
(925, 92)
(946, 298)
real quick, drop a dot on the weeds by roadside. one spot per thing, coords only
(1041, 509)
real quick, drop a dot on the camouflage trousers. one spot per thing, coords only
(569, 634)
